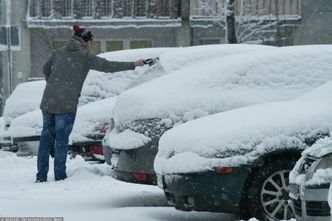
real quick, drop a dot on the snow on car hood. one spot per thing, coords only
(25, 98)
(26, 125)
(90, 117)
(100, 85)
(228, 82)
(246, 133)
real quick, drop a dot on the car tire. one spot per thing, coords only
(268, 193)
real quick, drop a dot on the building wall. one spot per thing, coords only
(41, 40)
(316, 25)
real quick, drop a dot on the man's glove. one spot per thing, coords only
(151, 61)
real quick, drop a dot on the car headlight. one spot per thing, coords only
(323, 163)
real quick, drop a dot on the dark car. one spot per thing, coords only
(220, 84)
(239, 161)
(310, 183)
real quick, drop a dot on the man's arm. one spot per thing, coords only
(101, 64)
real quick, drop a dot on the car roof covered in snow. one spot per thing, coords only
(240, 136)
(228, 82)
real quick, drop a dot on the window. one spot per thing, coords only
(58, 44)
(114, 45)
(140, 44)
(46, 6)
(63, 8)
(94, 50)
(95, 47)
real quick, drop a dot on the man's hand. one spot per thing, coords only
(139, 62)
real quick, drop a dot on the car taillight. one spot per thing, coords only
(140, 177)
(102, 128)
(97, 150)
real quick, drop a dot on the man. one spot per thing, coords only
(65, 72)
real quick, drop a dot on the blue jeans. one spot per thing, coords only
(56, 130)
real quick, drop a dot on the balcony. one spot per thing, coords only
(57, 13)
(206, 12)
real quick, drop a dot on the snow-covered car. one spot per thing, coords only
(239, 161)
(144, 113)
(310, 182)
(26, 97)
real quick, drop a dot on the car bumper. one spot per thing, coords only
(89, 150)
(311, 204)
(7, 145)
(205, 191)
(135, 165)
(27, 146)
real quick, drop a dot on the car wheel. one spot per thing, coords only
(268, 194)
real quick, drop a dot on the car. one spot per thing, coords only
(239, 161)
(310, 182)
(142, 114)
(26, 129)
(26, 97)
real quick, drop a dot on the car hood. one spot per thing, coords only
(247, 132)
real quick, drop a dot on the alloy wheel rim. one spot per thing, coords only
(275, 198)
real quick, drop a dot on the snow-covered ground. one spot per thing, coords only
(88, 194)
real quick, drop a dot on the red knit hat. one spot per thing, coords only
(82, 33)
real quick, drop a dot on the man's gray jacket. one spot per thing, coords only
(65, 72)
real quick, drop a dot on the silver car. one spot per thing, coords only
(310, 182)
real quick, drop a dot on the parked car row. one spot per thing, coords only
(258, 111)
(242, 129)
(209, 87)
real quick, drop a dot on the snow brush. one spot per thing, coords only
(151, 61)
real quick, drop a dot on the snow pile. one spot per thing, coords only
(25, 98)
(128, 139)
(92, 118)
(240, 136)
(226, 83)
